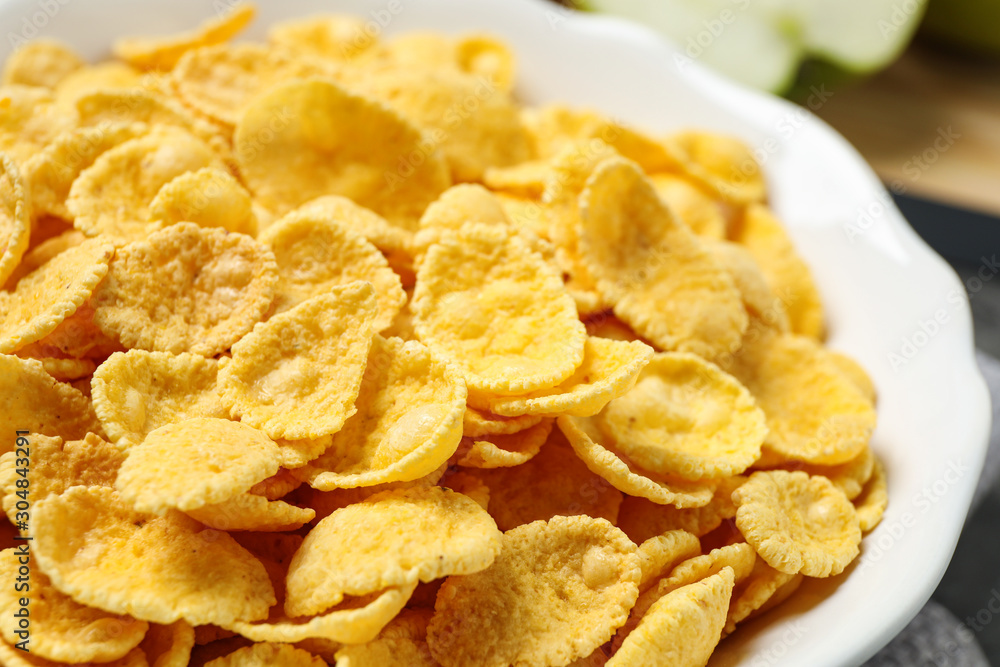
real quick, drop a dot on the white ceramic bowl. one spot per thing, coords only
(891, 302)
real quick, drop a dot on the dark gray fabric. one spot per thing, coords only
(935, 638)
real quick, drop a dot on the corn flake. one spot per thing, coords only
(339, 143)
(486, 302)
(874, 499)
(395, 242)
(477, 423)
(686, 417)
(660, 278)
(112, 196)
(196, 462)
(662, 553)
(40, 62)
(642, 519)
(52, 293)
(15, 224)
(163, 52)
(585, 438)
(503, 451)
(353, 621)
(266, 654)
(682, 627)
(217, 285)
(29, 120)
(739, 558)
(408, 421)
(359, 549)
(248, 511)
(856, 372)
(762, 587)
(61, 629)
(102, 108)
(787, 274)
(91, 78)
(702, 214)
(276, 486)
(315, 253)
(41, 253)
(554, 128)
(137, 392)
(209, 197)
(331, 36)
(609, 370)
(402, 643)
(13, 657)
(220, 81)
(57, 465)
(724, 164)
(476, 55)
(50, 173)
(474, 123)
(849, 477)
(761, 303)
(297, 375)
(557, 591)
(798, 523)
(32, 400)
(815, 414)
(168, 645)
(154, 568)
(76, 337)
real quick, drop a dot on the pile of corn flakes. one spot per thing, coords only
(327, 350)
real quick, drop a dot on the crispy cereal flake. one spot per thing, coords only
(56, 465)
(408, 421)
(593, 449)
(339, 143)
(97, 549)
(111, 197)
(315, 253)
(815, 414)
(265, 655)
(686, 417)
(609, 370)
(798, 523)
(137, 392)
(210, 197)
(485, 301)
(557, 591)
(660, 278)
(297, 375)
(15, 224)
(47, 296)
(555, 482)
(682, 627)
(163, 52)
(196, 462)
(61, 629)
(360, 549)
(32, 400)
(504, 451)
(217, 285)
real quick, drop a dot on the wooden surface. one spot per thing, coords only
(929, 125)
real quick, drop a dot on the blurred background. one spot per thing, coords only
(915, 86)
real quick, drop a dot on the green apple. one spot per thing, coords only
(970, 24)
(762, 43)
